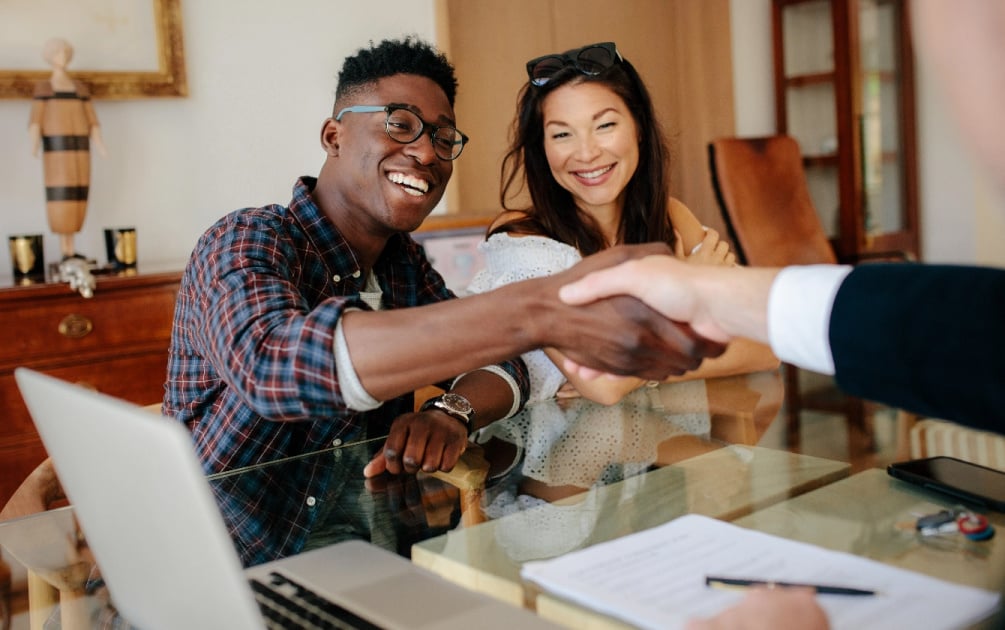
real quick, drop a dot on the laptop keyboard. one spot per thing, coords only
(286, 604)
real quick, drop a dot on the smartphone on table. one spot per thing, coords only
(972, 483)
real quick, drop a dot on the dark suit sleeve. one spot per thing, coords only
(925, 338)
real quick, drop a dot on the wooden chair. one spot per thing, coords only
(5, 588)
(38, 492)
(761, 188)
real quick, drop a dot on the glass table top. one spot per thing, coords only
(556, 452)
(561, 475)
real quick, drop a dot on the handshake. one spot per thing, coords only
(639, 310)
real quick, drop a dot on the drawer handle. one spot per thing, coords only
(75, 326)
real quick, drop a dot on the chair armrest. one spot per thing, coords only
(40, 491)
(5, 590)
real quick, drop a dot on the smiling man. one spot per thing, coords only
(302, 326)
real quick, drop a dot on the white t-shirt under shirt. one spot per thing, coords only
(355, 395)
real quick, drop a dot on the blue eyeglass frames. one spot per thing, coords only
(590, 60)
(404, 126)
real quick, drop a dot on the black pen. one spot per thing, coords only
(740, 583)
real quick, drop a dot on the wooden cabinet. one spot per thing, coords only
(115, 342)
(844, 88)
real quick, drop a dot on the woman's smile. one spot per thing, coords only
(592, 144)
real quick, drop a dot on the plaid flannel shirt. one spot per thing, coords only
(251, 367)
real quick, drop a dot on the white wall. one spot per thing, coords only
(961, 211)
(261, 77)
(261, 80)
(753, 94)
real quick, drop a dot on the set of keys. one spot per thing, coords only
(955, 520)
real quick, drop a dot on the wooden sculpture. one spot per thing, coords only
(64, 124)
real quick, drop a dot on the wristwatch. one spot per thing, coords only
(454, 405)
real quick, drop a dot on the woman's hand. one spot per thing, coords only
(568, 390)
(710, 251)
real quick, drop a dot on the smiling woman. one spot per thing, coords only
(682, 47)
(588, 147)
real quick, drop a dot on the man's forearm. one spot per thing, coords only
(397, 351)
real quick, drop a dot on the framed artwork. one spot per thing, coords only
(123, 49)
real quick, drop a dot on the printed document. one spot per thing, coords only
(656, 579)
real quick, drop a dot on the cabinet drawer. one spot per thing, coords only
(138, 378)
(115, 342)
(68, 326)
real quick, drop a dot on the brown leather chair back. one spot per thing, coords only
(766, 204)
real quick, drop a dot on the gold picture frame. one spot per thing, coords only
(169, 79)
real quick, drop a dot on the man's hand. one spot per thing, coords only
(662, 282)
(428, 440)
(719, 303)
(620, 334)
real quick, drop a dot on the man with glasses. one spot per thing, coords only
(404, 126)
(294, 328)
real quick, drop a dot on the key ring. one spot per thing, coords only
(974, 526)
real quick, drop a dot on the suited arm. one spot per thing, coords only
(926, 338)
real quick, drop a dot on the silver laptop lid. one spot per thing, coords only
(156, 531)
(144, 506)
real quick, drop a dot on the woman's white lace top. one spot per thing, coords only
(514, 258)
(576, 442)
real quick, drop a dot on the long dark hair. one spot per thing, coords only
(553, 211)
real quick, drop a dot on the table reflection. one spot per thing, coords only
(323, 498)
(538, 471)
(549, 452)
(557, 450)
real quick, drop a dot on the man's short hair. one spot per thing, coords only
(395, 56)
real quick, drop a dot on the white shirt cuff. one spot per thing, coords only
(504, 375)
(358, 399)
(799, 312)
(355, 397)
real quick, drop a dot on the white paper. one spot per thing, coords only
(656, 579)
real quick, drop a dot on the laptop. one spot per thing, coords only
(147, 511)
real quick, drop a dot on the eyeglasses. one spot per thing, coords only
(404, 126)
(590, 60)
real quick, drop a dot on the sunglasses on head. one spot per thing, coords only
(590, 60)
